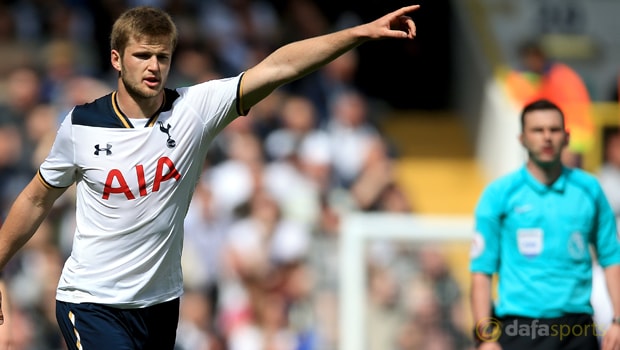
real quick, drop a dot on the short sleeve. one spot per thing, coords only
(606, 238)
(59, 168)
(484, 254)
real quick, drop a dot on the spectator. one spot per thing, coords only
(609, 173)
(352, 136)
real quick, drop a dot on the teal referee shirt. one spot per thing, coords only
(538, 239)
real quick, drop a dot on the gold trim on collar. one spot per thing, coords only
(120, 114)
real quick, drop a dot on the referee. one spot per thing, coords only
(537, 229)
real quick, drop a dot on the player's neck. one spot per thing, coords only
(136, 107)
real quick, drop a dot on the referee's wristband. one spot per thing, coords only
(615, 320)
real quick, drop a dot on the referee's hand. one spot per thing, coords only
(611, 339)
(489, 346)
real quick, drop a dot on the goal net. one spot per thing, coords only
(361, 230)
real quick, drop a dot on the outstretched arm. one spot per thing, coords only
(297, 59)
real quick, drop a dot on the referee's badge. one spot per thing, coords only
(170, 142)
(577, 246)
(530, 241)
(477, 245)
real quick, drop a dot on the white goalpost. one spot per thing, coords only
(357, 229)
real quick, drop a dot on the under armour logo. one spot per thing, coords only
(106, 150)
(165, 129)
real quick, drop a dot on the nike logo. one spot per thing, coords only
(523, 208)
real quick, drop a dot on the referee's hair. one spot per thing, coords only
(540, 105)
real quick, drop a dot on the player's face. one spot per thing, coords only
(544, 136)
(144, 66)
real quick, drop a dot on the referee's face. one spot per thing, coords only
(544, 136)
(144, 66)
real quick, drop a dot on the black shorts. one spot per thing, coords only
(574, 331)
(99, 327)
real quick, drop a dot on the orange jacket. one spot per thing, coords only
(564, 87)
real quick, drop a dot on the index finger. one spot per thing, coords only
(404, 10)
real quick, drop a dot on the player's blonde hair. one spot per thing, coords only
(142, 22)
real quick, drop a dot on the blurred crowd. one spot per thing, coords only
(261, 246)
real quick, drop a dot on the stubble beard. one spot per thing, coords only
(138, 92)
(545, 162)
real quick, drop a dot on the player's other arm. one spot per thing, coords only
(26, 214)
(5, 324)
(297, 59)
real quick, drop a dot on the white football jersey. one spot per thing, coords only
(134, 185)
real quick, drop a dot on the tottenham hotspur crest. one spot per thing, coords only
(171, 143)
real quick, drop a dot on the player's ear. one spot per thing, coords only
(115, 59)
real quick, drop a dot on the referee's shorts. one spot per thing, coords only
(90, 326)
(572, 331)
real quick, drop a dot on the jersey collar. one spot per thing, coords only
(559, 185)
(169, 97)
